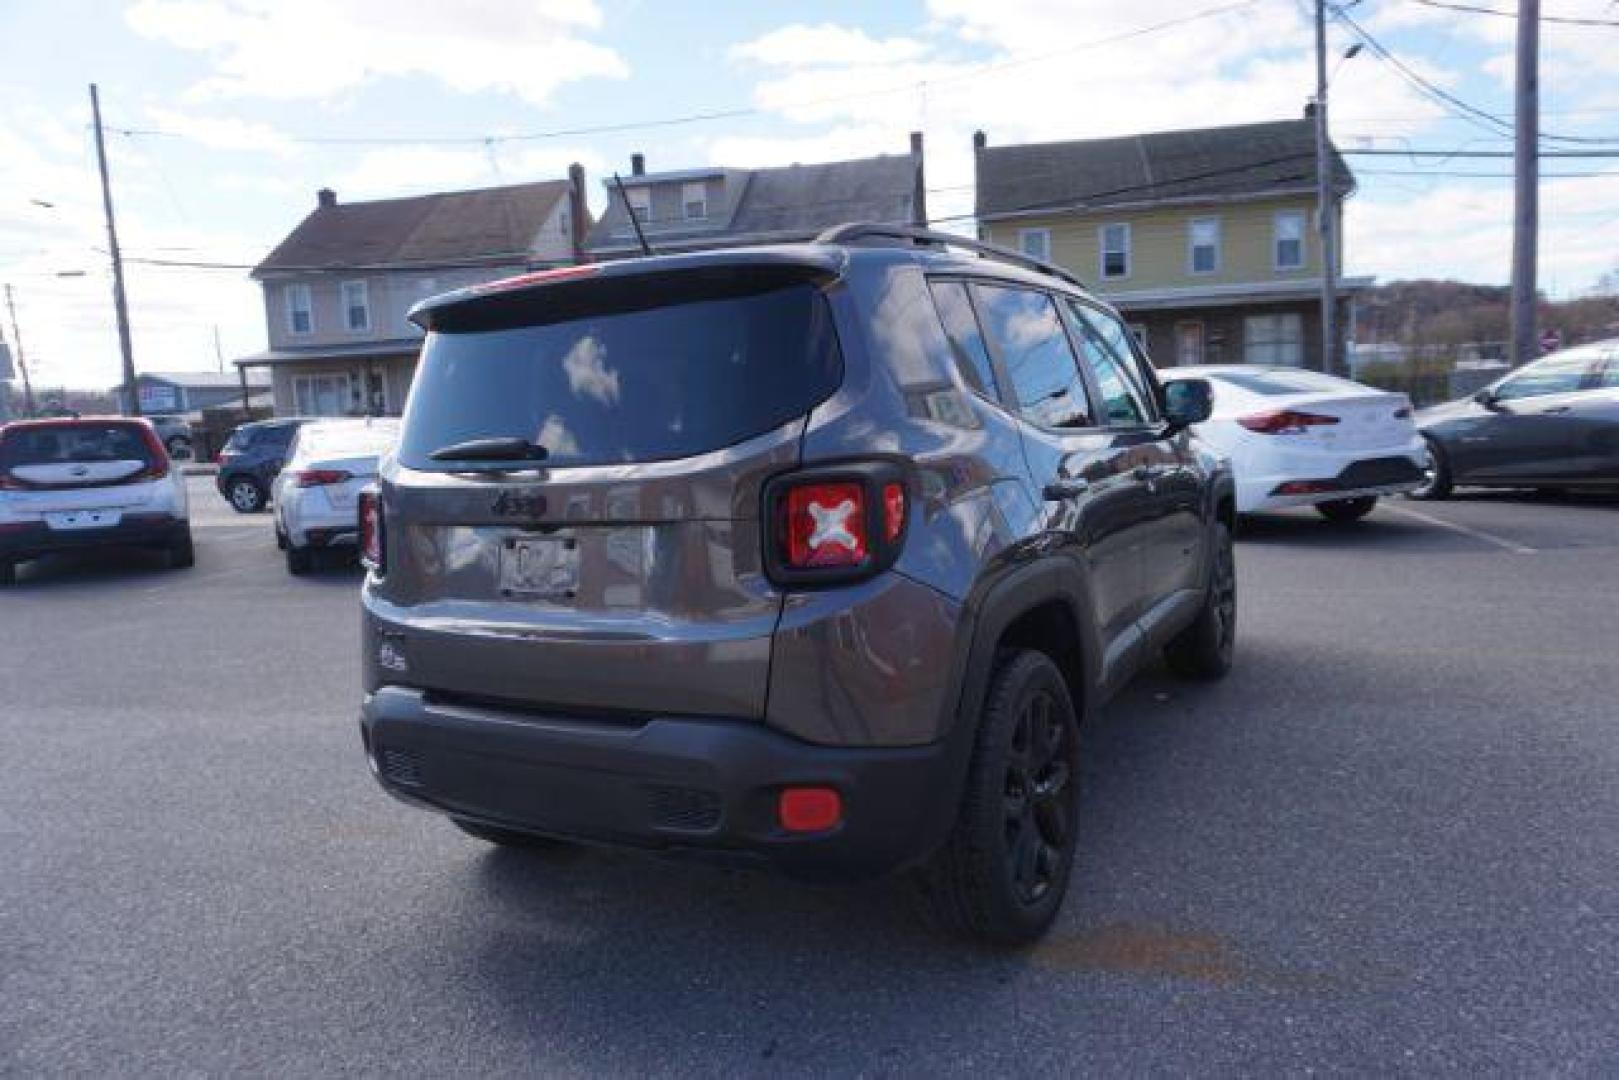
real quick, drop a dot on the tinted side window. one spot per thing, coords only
(1029, 335)
(966, 340)
(1557, 376)
(1126, 390)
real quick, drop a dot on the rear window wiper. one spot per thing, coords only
(512, 448)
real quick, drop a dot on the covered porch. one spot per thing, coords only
(363, 379)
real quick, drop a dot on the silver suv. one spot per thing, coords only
(813, 556)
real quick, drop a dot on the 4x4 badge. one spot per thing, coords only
(519, 505)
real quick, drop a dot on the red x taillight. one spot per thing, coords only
(835, 524)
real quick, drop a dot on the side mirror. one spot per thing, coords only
(1188, 402)
(1486, 398)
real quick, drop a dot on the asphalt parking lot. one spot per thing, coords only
(1388, 842)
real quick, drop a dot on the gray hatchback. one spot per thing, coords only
(814, 556)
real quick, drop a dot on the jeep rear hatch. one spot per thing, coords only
(574, 523)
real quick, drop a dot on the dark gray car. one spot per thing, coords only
(811, 556)
(1550, 424)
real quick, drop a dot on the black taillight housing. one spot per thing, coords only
(833, 524)
(373, 531)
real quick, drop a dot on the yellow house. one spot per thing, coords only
(1204, 239)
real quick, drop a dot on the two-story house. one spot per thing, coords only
(694, 209)
(1204, 239)
(338, 289)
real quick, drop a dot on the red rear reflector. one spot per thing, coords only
(538, 277)
(1302, 487)
(893, 511)
(308, 478)
(826, 525)
(1278, 421)
(809, 809)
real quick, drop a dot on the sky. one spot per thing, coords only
(226, 116)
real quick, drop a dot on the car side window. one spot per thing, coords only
(1028, 334)
(1553, 376)
(1609, 379)
(966, 339)
(1105, 345)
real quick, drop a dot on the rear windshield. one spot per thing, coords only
(72, 443)
(649, 384)
(1282, 383)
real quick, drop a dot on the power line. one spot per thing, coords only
(1480, 118)
(1566, 20)
(1477, 153)
(721, 114)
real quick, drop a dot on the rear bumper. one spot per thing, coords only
(1383, 475)
(696, 786)
(32, 539)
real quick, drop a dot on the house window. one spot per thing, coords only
(694, 198)
(1274, 339)
(1203, 245)
(1116, 250)
(1188, 343)
(640, 200)
(1035, 243)
(300, 310)
(356, 306)
(1290, 240)
(321, 394)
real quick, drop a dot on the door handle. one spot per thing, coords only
(1068, 488)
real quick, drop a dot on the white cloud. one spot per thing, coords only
(824, 45)
(414, 170)
(314, 49)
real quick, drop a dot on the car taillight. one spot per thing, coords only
(1278, 421)
(835, 524)
(157, 455)
(372, 554)
(308, 478)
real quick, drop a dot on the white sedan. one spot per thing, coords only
(1301, 438)
(316, 494)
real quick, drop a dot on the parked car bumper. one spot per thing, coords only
(31, 539)
(307, 523)
(1384, 474)
(703, 787)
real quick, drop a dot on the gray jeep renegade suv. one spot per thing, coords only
(814, 556)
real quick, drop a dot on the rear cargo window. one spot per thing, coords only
(648, 384)
(54, 445)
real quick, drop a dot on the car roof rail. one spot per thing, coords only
(856, 231)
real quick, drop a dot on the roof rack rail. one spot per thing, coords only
(855, 231)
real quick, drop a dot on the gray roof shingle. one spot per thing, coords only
(446, 225)
(1171, 165)
(791, 200)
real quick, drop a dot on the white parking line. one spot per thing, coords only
(1467, 530)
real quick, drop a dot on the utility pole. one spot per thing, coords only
(1526, 187)
(22, 361)
(1325, 211)
(132, 397)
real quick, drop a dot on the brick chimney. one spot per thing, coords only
(919, 187)
(637, 164)
(578, 212)
(325, 197)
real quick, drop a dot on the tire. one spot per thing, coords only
(182, 554)
(1205, 649)
(1002, 874)
(245, 495)
(8, 572)
(1436, 483)
(300, 560)
(506, 837)
(280, 539)
(1343, 511)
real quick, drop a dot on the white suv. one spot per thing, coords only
(96, 482)
(316, 495)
